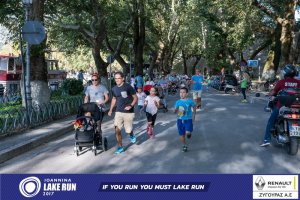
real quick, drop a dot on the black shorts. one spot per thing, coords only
(151, 118)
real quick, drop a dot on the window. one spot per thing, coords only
(3, 64)
(11, 63)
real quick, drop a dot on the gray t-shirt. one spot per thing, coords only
(96, 93)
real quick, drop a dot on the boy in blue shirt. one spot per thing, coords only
(197, 80)
(185, 116)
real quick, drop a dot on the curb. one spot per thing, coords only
(23, 147)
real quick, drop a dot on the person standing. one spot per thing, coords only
(124, 98)
(80, 76)
(197, 80)
(244, 85)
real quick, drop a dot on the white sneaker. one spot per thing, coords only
(265, 144)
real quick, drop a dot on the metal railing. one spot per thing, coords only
(9, 97)
(16, 120)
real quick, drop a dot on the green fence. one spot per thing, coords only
(16, 120)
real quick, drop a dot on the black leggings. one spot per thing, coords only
(151, 118)
(244, 92)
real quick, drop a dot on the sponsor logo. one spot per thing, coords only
(30, 186)
(275, 186)
(260, 183)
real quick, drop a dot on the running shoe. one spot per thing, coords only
(184, 148)
(119, 150)
(265, 144)
(132, 138)
(151, 133)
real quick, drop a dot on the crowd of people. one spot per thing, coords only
(146, 93)
(149, 95)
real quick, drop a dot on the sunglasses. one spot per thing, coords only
(94, 79)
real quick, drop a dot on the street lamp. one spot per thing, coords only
(130, 49)
(259, 69)
(27, 5)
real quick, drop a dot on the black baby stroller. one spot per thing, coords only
(88, 131)
(163, 101)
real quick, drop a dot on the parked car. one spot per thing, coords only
(215, 81)
(227, 79)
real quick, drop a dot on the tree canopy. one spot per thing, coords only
(163, 33)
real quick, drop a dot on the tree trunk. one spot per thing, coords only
(101, 66)
(161, 56)
(198, 58)
(152, 63)
(272, 63)
(295, 51)
(40, 92)
(259, 49)
(184, 62)
(286, 34)
(139, 36)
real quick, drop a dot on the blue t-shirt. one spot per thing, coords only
(198, 80)
(139, 81)
(184, 108)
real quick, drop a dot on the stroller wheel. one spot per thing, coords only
(105, 145)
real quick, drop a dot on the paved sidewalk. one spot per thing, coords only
(19, 143)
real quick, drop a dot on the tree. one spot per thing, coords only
(282, 13)
(12, 10)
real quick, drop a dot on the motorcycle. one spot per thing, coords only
(231, 88)
(286, 130)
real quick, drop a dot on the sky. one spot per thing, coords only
(297, 15)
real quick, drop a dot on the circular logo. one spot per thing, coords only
(29, 187)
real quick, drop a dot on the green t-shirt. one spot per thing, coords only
(244, 83)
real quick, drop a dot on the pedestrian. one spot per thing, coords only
(124, 98)
(97, 93)
(132, 81)
(163, 83)
(197, 80)
(80, 76)
(139, 81)
(151, 104)
(244, 85)
(207, 83)
(186, 112)
(141, 98)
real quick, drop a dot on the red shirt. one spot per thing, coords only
(286, 83)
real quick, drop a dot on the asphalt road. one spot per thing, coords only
(226, 139)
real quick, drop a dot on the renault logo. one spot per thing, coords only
(260, 183)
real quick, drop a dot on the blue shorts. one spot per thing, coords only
(184, 126)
